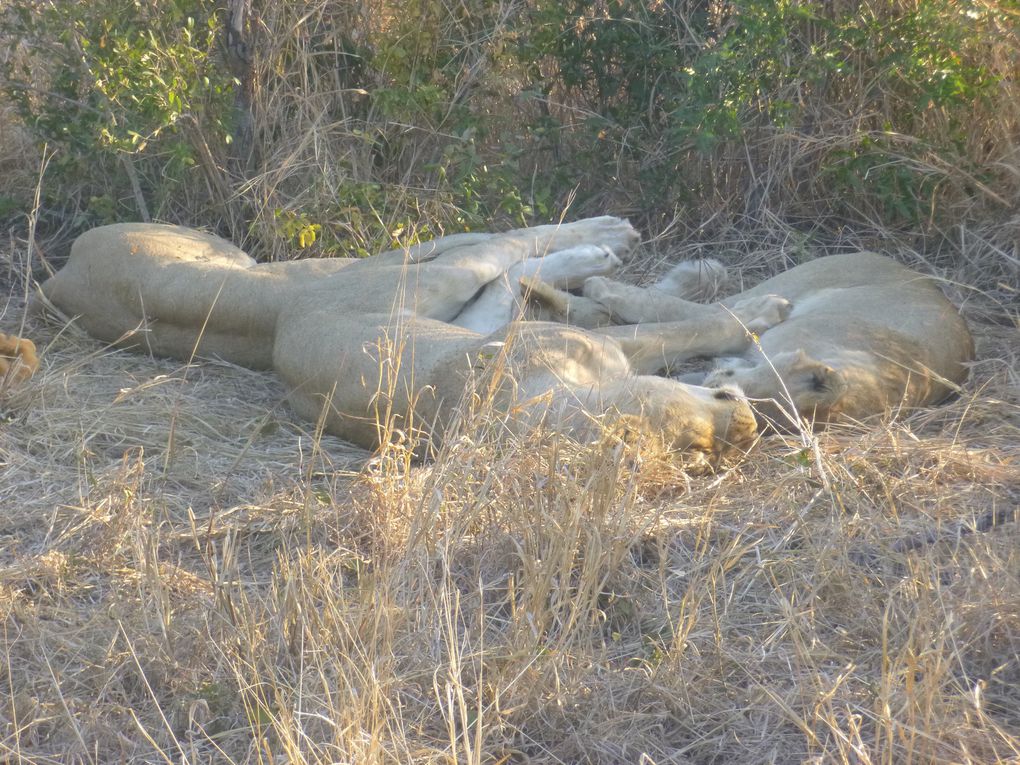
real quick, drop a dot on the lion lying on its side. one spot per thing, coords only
(866, 335)
(370, 342)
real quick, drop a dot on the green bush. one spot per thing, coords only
(689, 97)
(112, 87)
(379, 123)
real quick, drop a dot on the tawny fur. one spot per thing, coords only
(369, 345)
(866, 335)
(18, 359)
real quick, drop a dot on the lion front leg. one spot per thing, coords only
(628, 304)
(544, 302)
(656, 346)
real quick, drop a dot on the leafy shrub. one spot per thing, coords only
(379, 123)
(112, 87)
(690, 97)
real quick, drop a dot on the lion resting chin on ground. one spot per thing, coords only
(373, 345)
(866, 336)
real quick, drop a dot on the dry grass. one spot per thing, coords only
(188, 575)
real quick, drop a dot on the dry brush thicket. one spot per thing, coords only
(188, 574)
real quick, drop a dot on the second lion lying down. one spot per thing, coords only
(866, 335)
(390, 342)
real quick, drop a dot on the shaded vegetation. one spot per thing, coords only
(378, 122)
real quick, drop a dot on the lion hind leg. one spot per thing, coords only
(616, 234)
(606, 231)
(429, 250)
(18, 359)
(457, 276)
(500, 300)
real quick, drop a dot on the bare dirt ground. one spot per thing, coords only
(188, 574)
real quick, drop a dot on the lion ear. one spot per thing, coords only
(543, 295)
(825, 378)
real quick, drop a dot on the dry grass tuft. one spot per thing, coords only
(188, 575)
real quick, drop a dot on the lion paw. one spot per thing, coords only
(615, 233)
(697, 280)
(18, 359)
(568, 269)
(758, 314)
(599, 289)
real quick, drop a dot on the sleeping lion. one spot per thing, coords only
(866, 335)
(373, 346)
(390, 343)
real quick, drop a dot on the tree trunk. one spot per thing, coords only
(239, 45)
